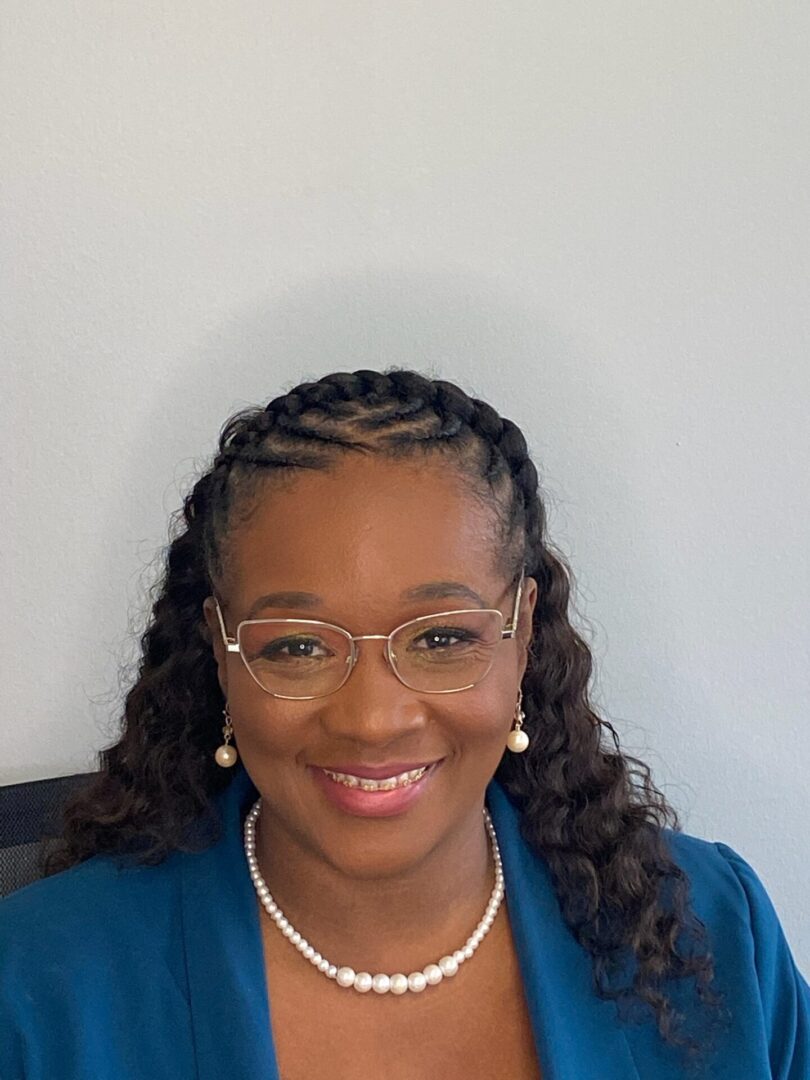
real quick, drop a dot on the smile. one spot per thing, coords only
(389, 783)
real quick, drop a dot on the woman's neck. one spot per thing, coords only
(392, 922)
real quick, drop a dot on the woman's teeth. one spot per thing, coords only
(387, 784)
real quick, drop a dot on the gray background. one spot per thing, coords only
(593, 215)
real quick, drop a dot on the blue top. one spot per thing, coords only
(157, 973)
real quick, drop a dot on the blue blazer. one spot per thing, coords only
(157, 973)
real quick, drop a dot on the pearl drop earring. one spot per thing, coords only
(517, 740)
(226, 755)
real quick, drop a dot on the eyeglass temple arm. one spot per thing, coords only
(230, 643)
(510, 630)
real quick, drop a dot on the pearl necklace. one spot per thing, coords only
(362, 981)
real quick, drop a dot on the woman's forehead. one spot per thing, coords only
(369, 502)
(369, 525)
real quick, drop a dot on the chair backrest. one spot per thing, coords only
(30, 817)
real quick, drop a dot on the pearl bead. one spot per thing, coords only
(417, 982)
(323, 966)
(433, 974)
(381, 984)
(517, 741)
(362, 982)
(345, 976)
(399, 983)
(225, 756)
(331, 971)
(295, 938)
(449, 965)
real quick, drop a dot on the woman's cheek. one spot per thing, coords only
(263, 730)
(489, 718)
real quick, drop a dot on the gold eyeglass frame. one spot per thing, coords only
(232, 644)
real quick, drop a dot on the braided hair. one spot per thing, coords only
(591, 811)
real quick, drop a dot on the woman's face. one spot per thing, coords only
(359, 536)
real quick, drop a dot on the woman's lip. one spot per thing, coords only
(379, 772)
(356, 801)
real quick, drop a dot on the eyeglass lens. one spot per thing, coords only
(310, 659)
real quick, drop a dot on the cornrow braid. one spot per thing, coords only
(592, 812)
(398, 412)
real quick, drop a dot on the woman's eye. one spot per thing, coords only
(295, 648)
(443, 637)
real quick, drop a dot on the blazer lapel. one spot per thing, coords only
(577, 1033)
(224, 956)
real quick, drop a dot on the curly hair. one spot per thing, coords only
(592, 812)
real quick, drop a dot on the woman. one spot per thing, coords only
(408, 854)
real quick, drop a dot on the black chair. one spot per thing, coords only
(30, 817)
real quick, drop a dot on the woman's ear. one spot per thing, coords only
(217, 643)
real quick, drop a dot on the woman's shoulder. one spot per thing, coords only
(723, 884)
(100, 874)
(751, 947)
(730, 898)
(108, 901)
(78, 951)
(100, 903)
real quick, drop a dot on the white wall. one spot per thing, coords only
(593, 215)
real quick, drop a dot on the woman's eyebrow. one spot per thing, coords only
(432, 590)
(435, 590)
(284, 600)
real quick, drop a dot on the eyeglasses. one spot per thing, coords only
(302, 659)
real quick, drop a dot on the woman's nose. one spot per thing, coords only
(373, 705)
